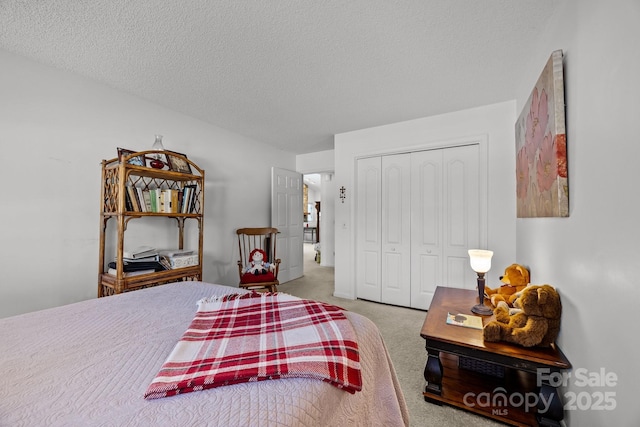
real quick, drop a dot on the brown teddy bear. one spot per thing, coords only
(515, 278)
(534, 322)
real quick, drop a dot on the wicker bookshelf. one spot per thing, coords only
(115, 203)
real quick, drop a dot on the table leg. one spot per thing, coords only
(551, 403)
(433, 373)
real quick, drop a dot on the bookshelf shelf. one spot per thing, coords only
(131, 192)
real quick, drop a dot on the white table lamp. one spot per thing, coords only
(480, 263)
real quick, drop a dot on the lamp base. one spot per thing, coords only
(482, 310)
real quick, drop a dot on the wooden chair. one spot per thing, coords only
(262, 239)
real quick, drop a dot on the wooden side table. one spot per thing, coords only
(498, 380)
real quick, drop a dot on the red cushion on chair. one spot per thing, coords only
(257, 278)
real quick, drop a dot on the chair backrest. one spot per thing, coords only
(257, 238)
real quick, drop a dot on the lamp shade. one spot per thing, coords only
(480, 260)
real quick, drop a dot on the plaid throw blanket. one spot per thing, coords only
(253, 337)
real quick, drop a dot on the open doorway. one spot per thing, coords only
(311, 215)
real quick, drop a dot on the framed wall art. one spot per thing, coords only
(541, 147)
(178, 162)
(137, 160)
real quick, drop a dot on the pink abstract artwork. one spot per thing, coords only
(541, 147)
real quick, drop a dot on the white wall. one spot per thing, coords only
(55, 128)
(592, 256)
(493, 123)
(321, 161)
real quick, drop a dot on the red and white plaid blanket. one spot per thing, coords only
(253, 337)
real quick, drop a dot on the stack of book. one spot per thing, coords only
(141, 260)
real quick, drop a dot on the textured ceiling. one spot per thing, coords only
(291, 73)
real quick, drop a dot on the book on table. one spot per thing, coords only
(466, 320)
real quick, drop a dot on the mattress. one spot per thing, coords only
(89, 364)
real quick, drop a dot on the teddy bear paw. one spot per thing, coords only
(492, 332)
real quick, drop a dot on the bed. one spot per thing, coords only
(90, 363)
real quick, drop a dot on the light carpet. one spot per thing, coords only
(400, 329)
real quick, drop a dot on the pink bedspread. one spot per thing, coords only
(253, 337)
(90, 363)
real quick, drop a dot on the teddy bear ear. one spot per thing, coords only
(524, 272)
(542, 296)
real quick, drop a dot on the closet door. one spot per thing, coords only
(396, 229)
(426, 222)
(462, 220)
(369, 229)
(445, 220)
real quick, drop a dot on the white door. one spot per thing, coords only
(286, 216)
(368, 229)
(427, 222)
(463, 217)
(445, 219)
(396, 229)
(383, 232)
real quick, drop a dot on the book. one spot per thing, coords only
(141, 203)
(176, 252)
(188, 200)
(466, 320)
(164, 261)
(174, 201)
(146, 195)
(127, 202)
(138, 266)
(140, 252)
(153, 257)
(158, 205)
(186, 192)
(131, 194)
(166, 201)
(114, 272)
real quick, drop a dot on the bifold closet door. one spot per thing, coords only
(396, 229)
(445, 219)
(383, 242)
(369, 229)
(417, 214)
